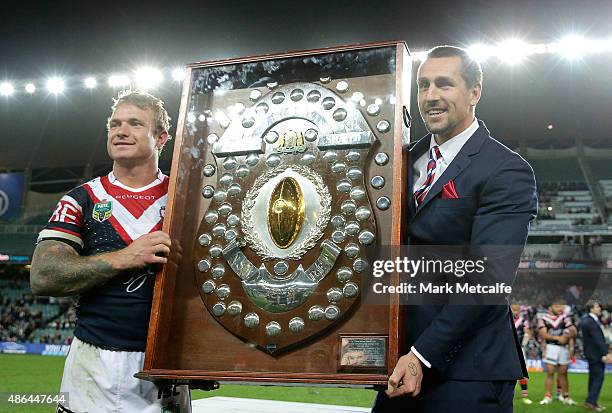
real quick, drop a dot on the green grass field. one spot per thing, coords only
(42, 374)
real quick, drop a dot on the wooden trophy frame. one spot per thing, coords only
(203, 326)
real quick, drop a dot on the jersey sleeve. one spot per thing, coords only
(66, 222)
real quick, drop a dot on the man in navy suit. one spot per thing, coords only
(595, 351)
(468, 190)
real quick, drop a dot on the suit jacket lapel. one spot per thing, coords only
(461, 161)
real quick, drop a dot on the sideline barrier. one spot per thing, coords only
(580, 366)
(9, 347)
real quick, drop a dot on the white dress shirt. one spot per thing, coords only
(448, 150)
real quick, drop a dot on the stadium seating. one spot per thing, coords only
(25, 318)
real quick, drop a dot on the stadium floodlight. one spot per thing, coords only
(148, 77)
(571, 47)
(30, 88)
(118, 81)
(480, 52)
(55, 85)
(605, 45)
(420, 55)
(90, 82)
(513, 51)
(178, 74)
(597, 46)
(6, 89)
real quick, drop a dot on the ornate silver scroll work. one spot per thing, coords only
(274, 294)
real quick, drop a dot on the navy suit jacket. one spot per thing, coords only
(497, 200)
(595, 346)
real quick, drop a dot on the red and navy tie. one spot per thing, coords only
(421, 193)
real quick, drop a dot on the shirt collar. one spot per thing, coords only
(113, 180)
(451, 147)
(594, 317)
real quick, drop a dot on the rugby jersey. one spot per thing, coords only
(103, 215)
(555, 325)
(520, 323)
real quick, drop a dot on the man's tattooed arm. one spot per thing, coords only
(58, 270)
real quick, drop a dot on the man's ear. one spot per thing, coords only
(475, 93)
(161, 140)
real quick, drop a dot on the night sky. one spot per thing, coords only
(75, 39)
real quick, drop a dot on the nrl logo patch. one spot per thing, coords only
(102, 211)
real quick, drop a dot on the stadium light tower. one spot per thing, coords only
(571, 47)
(118, 81)
(90, 82)
(513, 51)
(480, 52)
(148, 77)
(55, 85)
(178, 74)
(6, 89)
(420, 55)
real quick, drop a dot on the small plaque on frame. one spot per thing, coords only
(363, 352)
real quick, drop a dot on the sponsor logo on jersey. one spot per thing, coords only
(102, 211)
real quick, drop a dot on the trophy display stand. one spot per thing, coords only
(286, 170)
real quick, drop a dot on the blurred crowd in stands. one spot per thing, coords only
(28, 318)
(548, 189)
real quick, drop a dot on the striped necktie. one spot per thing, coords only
(421, 193)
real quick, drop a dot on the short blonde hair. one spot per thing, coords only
(144, 101)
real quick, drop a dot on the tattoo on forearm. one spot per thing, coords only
(412, 368)
(58, 271)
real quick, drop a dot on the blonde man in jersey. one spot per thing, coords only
(104, 244)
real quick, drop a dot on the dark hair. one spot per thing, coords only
(558, 300)
(471, 71)
(590, 304)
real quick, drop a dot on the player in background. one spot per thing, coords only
(556, 329)
(572, 348)
(521, 323)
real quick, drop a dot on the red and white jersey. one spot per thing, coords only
(521, 323)
(104, 215)
(132, 212)
(555, 325)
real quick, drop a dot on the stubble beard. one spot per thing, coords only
(439, 128)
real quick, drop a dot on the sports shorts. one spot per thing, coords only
(98, 380)
(557, 355)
